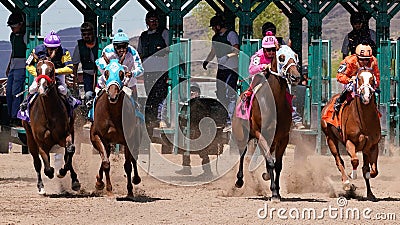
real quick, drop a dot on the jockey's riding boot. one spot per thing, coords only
(24, 105)
(339, 101)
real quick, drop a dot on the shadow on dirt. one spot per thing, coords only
(81, 194)
(140, 199)
(289, 199)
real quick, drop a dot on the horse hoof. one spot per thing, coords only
(41, 191)
(61, 173)
(276, 198)
(99, 185)
(353, 174)
(239, 183)
(266, 176)
(136, 180)
(76, 186)
(109, 188)
(371, 197)
(49, 173)
(347, 185)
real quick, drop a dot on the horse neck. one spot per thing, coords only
(51, 103)
(364, 113)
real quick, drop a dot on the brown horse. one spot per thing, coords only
(50, 125)
(270, 118)
(360, 131)
(115, 122)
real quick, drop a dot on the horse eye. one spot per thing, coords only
(121, 74)
(282, 58)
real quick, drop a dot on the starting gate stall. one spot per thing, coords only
(384, 62)
(316, 97)
(395, 90)
(247, 49)
(178, 95)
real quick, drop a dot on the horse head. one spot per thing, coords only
(114, 74)
(287, 60)
(365, 82)
(45, 75)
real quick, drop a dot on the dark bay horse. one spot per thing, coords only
(115, 122)
(360, 131)
(270, 118)
(50, 125)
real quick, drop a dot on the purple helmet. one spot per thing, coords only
(52, 40)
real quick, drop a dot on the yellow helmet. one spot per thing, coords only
(364, 51)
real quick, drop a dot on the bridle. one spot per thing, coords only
(283, 66)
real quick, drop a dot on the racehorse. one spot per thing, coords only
(112, 107)
(270, 118)
(360, 130)
(50, 125)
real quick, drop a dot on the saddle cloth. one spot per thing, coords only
(71, 101)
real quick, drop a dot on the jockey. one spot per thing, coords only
(132, 63)
(58, 55)
(348, 69)
(261, 61)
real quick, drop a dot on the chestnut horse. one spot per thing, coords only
(270, 118)
(50, 125)
(360, 131)
(115, 122)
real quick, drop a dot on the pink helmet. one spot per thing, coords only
(269, 40)
(52, 40)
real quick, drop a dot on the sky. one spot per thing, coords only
(130, 18)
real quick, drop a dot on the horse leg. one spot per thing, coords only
(205, 164)
(99, 146)
(49, 171)
(278, 165)
(34, 150)
(374, 160)
(239, 182)
(269, 161)
(128, 170)
(106, 167)
(68, 155)
(333, 146)
(351, 149)
(367, 176)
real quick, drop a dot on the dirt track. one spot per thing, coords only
(219, 202)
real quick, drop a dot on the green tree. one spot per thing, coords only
(203, 13)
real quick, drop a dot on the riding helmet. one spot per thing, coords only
(52, 40)
(364, 51)
(120, 37)
(269, 41)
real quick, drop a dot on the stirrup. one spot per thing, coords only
(23, 106)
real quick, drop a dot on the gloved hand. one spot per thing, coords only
(205, 63)
(223, 59)
(266, 67)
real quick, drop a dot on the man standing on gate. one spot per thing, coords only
(360, 34)
(16, 66)
(86, 52)
(225, 45)
(151, 48)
